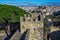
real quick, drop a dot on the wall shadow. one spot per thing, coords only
(54, 35)
(23, 35)
(13, 28)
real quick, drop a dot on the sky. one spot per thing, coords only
(27, 2)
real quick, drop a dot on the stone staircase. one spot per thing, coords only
(36, 36)
(16, 36)
(2, 37)
(40, 30)
(27, 36)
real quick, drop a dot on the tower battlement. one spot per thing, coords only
(31, 20)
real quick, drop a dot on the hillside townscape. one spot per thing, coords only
(29, 23)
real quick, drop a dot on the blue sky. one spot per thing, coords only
(26, 2)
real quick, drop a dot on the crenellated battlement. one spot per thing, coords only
(30, 20)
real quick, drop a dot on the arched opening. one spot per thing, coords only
(39, 18)
(24, 19)
(54, 35)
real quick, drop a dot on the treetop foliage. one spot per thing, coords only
(10, 13)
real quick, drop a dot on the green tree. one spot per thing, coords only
(46, 26)
(11, 13)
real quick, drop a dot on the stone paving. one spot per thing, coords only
(2, 37)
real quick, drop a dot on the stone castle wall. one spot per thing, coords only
(32, 22)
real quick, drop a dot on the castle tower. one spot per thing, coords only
(35, 24)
